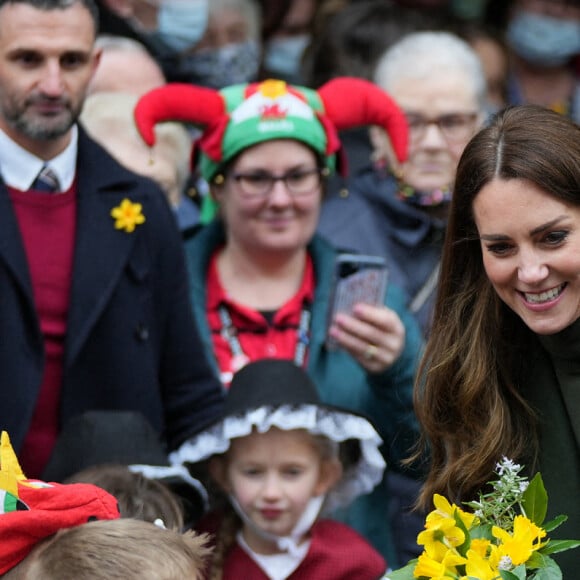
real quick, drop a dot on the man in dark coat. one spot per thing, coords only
(94, 310)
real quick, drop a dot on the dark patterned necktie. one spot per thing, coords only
(46, 181)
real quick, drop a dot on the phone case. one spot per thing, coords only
(357, 278)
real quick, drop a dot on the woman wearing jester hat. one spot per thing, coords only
(261, 277)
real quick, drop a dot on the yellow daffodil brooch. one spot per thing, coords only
(128, 215)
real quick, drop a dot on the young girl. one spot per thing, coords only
(275, 454)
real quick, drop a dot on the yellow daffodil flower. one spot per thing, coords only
(460, 545)
(434, 548)
(445, 509)
(525, 539)
(127, 215)
(479, 566)
(430, 568)
(444, 532)
(482, 547)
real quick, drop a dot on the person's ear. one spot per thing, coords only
(330, 474)
(217, 468)
(216, 188)
(98, 54)
(383, 153)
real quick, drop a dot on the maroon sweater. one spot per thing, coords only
(47, 224)
(336, 552)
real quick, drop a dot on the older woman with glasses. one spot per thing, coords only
(400, 211)
(261, 278)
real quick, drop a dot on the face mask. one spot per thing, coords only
(181, 23)
(543, 40)
(284, 55)
(217, 68)
(289, 543)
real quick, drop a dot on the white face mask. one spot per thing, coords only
(180, 23)
(544, 40)
(289, 543)
(284, 55)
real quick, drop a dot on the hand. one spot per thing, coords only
(373, 335)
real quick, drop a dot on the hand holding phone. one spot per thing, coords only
(357, 278)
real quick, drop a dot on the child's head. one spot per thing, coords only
(273, 476)
(122, 548)
(139, 497)
(121, 452)
(276, 453)
(32, 510)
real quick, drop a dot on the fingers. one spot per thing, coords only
(374, 336)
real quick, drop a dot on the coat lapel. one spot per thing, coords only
(101, 250)
(11, 246)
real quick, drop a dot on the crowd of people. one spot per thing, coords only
(178, 181)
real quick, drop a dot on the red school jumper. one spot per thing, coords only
(336, 552)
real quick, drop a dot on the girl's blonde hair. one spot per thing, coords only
(121, 548)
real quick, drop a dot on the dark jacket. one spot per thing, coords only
(131, 342)
(364, 214)
(551, 384)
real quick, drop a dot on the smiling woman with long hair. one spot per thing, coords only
(500, 373)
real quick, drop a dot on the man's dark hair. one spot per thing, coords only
(90, 5)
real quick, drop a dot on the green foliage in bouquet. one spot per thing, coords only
(503, 538)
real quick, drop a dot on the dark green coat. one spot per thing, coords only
(553, 388)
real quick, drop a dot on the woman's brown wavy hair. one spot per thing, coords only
(468, 395)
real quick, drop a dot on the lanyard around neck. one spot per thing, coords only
(239, 357)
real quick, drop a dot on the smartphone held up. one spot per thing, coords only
(357, 279)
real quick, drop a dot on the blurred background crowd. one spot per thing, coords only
(529, 50)
(449, 65)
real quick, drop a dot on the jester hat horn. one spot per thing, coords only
(240, 116)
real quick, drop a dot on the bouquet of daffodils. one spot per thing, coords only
(503, 538)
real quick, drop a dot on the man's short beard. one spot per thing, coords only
(40, 131)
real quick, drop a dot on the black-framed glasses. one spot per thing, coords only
(259, 184)
(453, 126)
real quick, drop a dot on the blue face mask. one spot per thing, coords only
(181, 23)
(543, 40)
(284, 55)
(217, 68)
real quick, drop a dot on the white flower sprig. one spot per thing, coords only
(500, 506)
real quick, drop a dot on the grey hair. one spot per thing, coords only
(422, 55)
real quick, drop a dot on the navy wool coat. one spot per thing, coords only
(131, 340)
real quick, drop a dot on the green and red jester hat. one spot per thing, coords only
(31, 510)
(240, 116)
